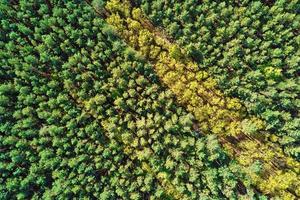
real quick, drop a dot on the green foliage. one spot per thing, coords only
(82, 117)
(246, 136)
(175, 52)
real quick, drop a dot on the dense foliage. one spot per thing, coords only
(83, 117)
(241, 133)
(251, 48)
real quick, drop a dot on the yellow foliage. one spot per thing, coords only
(193, 86)
(161, 69)
(179, 87)
(210, 83)
(196, 101)
(145, 38)
(192, 66)
(134, 25)
(187, 94)
(280, 182)
(233, 104)
(215, 101)
(116, 21)
(171, 77)
(128, 150)
(190, 76)
(145, 50)
(137, 13)
(219, 128)
(234, 128)
(200, 75)
(154, 51)
(117, 6)
(183, 78)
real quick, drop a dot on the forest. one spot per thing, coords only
(147, 100)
